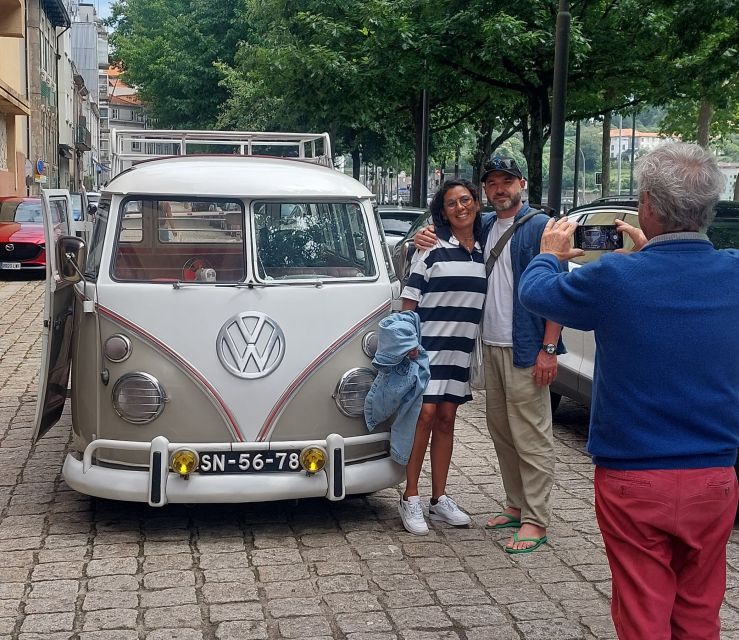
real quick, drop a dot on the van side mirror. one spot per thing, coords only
(71, 255)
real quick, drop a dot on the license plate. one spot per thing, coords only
(14, 266)
(249, 461)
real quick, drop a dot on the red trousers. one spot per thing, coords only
(665, 533)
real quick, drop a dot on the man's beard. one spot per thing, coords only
(507, 204)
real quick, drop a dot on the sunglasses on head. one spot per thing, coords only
(501, 164)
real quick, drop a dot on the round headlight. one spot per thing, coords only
(369, 344)
(138, 397)
(184, 461)
(352, 390)
(117, 348)
(312, 459)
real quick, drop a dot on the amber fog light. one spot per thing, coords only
(312, 459)
(184, 461)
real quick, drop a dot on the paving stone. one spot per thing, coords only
(112, 566)
(175, 634)
(337, 568)
(403, 599)
(291, 589)
(431, 617)
(430, 635)
(348, 602)
(539, 610)
(342, 584)
(110, 619)
(363, 622)
(184, 616)
(170, 578)
(312, 626)
(118, 634)
(220, 592)
(290, 607)
(113, 583)
(236, 611)
(548, 629)
(168, 597)
(47, 622)
(241, 630)
(110, 600)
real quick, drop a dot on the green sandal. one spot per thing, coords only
(538, 541)
(513, 522)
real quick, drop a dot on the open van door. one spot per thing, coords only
(56, 349)
(82, 228)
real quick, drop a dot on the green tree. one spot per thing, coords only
(169, 50)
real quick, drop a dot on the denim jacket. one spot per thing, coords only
(528, 329)
(400, 382)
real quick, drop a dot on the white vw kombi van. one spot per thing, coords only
(219, 322)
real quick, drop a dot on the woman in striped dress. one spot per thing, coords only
(446, 287)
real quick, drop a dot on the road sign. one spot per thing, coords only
(598, 177)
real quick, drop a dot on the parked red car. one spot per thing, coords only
(22, 242)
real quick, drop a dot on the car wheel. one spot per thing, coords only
(555, 399)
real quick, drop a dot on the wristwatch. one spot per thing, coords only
(551, 349)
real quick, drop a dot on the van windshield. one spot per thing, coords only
(177, 240)
(301, 240)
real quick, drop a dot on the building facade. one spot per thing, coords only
(643, 141)
(15, 107)
(46, 22)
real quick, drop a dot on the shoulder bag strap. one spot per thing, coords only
(503, 240)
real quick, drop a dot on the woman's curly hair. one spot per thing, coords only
(437, 204)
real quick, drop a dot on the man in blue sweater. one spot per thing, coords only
(664, 426)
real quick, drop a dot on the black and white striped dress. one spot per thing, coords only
(449, 285)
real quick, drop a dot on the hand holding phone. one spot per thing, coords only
(598, 237)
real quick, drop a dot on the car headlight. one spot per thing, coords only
(138, 397)
(352, 390)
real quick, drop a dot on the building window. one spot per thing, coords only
(114, 114)
(136, 146)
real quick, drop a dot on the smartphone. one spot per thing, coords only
(598, 237)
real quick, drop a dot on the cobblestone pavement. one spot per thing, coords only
(73, 567)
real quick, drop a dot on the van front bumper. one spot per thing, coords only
(158, 486)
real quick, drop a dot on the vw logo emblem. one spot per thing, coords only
(9, 247)
(250, 345)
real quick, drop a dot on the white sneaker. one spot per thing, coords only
(411, 513)
(446, 510)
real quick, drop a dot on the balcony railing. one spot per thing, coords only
(82, 138)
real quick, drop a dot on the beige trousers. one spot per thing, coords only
(519, 418)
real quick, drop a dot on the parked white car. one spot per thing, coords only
(220, 362)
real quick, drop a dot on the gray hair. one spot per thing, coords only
(684, 183)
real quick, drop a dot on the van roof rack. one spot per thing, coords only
(129, 146)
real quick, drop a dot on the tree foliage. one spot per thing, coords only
(356, 68)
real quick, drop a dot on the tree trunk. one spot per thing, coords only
(605, 156)
(355, 163)
(736, 189)
(482, 151)
(533, 147)
(705, 115)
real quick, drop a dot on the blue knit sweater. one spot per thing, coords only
(666, 322)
